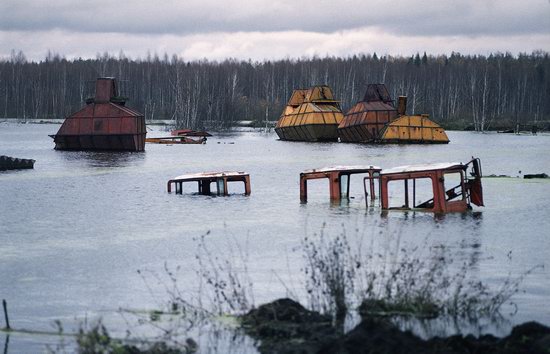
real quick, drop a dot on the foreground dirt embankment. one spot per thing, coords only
(285, 326)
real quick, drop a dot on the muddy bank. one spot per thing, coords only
(285, 326)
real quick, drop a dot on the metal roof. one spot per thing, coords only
(422, 167)
(208, 175)
(353, 168)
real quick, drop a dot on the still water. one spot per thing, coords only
(74, 231)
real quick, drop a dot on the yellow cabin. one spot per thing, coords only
(414, 129)
(310, 115)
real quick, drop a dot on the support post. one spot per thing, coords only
(371, 182)
(303, 189)
(406, 193)
(414, 192)
(334, 185)
(247, 185)
(5, 305)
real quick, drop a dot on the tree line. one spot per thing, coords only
(457, 91)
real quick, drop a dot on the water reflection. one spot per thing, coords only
(105, 159)
(6, 343)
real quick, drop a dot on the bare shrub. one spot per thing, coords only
(225, 278)
(424, 282)
(330, 274)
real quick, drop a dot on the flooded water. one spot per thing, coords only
(74, 231)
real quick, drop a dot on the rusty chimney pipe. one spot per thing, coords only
(105, 88)
(402, 105)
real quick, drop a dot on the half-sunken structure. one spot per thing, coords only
(105, 123)
(310, 115)
(365, 121)
(376, 120)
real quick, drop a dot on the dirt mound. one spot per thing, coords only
(284, 326)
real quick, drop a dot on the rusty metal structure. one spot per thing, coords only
(376, 120)
(204, 181)
(310, 115)
(445, 198)
(189, 132)
(418, 129)
(105, 123)
(339, 180)
(178, 139)
(365, 121)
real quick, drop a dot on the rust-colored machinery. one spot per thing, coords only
(205, 179)
(376, 120)
(310, 115)
(446, 195)
(338, 179)
(105, 123)
(365, 121)
(437, 187)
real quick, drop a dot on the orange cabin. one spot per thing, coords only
(438, 188)
(339, 180)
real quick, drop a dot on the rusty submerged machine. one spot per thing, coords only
(105, 123)
(181, 136)
(205, 179)
(314, 115)
(376, 120)
(310, 115)
(437, 188)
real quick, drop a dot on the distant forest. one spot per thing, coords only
(457, 91)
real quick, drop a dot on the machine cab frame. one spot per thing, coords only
(204, 181)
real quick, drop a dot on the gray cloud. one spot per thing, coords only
(259, 45)
(173, 17)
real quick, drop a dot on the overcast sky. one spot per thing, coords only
(271, 29)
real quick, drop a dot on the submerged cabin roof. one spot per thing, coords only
(354, 168)
(209, 175)
(423, 167)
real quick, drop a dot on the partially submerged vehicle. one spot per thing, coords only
(338, 179)
(365, 121)
(310, 115)
(445, 187)
(105, 123)
(189, 132)
(179, 139)
(438, 188)
(205, 179)
(375, 119)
